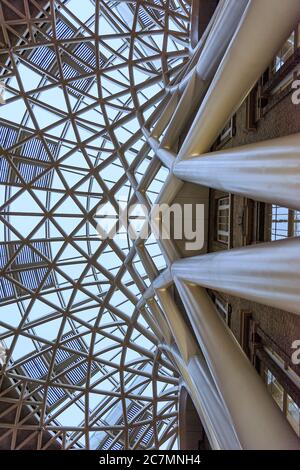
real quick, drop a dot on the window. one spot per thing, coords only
(275, 389)
(285, 223)
(285, 402)
(276, 81)
(275, 367)
(227, 133)
(283, 388)
(223, 220)
(258, 227)
(247, 334)
(257, 102)
(252, 109)
(280, 218)
(285, 53)
(223, 308)
(296, 223)
(293, 414)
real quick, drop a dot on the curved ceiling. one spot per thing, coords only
(81, 79)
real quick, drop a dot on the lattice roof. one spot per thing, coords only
(82, 78)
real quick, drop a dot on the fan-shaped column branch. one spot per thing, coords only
(258, 422)
(248, 55)
(267, 171)
(267, 273)
(193, 368)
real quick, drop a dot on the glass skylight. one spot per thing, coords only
(81, 78)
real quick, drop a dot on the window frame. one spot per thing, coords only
(219, 208)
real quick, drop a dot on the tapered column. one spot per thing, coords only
(179, 342)
(213, 414)
(192, 365)
(199, 78)
(264, 28)
(268, 273)
(183, 336)
(268, 171)
(258, 422)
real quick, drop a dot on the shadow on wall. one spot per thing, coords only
(191, 432)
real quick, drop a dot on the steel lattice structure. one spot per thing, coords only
(84, 81)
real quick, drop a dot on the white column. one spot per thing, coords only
(258, 422)
(192, 365)
(207, 401)
(183, 336)
(264, 28)
(179, 342)
(267, 273)
(267, 171)
(198, 79)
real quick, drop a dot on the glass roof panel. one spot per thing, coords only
(80, 82)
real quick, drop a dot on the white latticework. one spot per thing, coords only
(83, 81)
